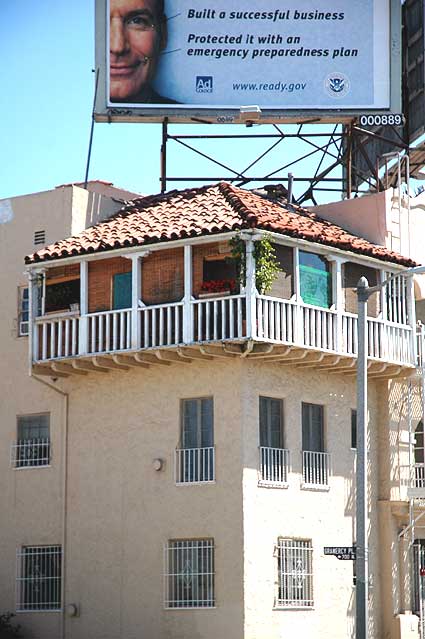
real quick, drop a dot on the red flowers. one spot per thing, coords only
(218, 286)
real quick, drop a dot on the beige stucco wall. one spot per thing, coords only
(121, 511)
(30, 500)
(379, 219)
(324, 517)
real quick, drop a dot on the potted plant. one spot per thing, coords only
(213, 288)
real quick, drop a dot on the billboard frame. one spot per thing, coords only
(224, 115)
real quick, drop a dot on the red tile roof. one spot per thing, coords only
(208, 210)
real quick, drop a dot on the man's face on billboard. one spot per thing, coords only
(136, 37)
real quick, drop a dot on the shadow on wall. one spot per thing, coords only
(351, 615)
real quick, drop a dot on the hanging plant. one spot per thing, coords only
(267, 267)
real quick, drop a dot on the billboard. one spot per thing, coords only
(187, 60)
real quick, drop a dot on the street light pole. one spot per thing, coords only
(364, 291)
(362, 549)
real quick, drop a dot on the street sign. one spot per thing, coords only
(341, 552)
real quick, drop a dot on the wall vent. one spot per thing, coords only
(39, 237)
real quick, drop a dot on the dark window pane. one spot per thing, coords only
(60, 296)
(353, 429)
(271, 422)
(33, 427)
(312, 427)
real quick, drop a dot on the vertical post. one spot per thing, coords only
(34, 304)
(298, 320)
(136, 277)
(250, 291)
(362, 560)
(349, 186)
(187, 299)
(83, 332)
(164, 155)
(411, 317)
(338, 301)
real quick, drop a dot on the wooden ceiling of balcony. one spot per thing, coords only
(292, 356)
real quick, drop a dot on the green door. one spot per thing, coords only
(122, 290)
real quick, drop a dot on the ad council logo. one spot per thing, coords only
(337, 85)
(204, 84)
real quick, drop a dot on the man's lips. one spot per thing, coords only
(119, 70)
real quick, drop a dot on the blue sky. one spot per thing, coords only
(45, 113)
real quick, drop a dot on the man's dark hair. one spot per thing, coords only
(161, 13)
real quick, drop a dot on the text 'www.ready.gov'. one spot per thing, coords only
(278, 87)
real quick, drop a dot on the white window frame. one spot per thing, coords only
(41, 590)
(295, 573)
(189, 574)
(23, 309)
(31, 452)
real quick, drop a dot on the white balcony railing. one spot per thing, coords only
(194, 465)
(28, 453)
(109, 331)
(276, 319)
(225, 318)
(217, 319)
(316, 466)
(55, 337)
(161, 325)
(274, 466)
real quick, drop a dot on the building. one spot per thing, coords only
(184, 448)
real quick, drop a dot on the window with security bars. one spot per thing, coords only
(39, 578)
(295, 573)
(32, 447)
(189, 573)
(23, 311)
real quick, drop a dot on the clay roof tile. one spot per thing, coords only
(208, 210)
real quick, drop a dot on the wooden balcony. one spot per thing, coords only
(249, 325)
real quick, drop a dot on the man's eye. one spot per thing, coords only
(140, 22)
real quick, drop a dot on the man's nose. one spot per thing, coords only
(118, 42)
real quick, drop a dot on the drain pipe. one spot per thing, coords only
(64, 489)
(290, 187)
(35, 297)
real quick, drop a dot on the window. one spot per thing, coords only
(195, 457)
(271, 422)
(418, 453)
(295, 573)
(312, 424)
(23, 311)
(315, 279)
(274, 459)
(353, 429)
(32, 447)
(189, 573)
(39, 577)
(60, 295)
(316, 462)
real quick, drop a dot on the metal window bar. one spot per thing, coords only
(195, 465)
(315, 468)
(189, 574)
(39, 578)
(274, 465)
(29, 453)
(419, 479)
(295, 573)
